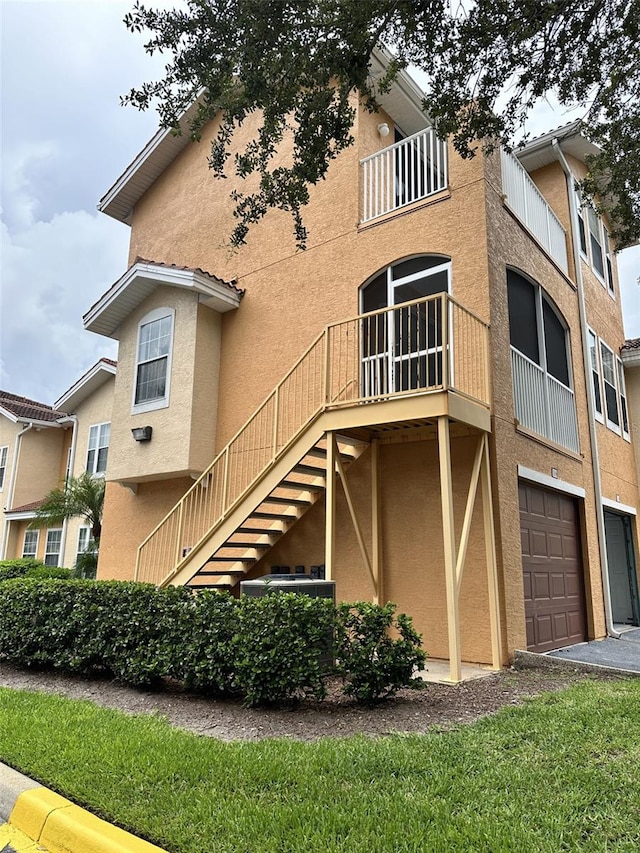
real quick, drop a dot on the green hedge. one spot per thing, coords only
(27, 567)
(268, 650)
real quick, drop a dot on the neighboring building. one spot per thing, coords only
(40, 447)
(464, 451)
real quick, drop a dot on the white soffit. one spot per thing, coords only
(539, 152)
(403, 103)
(140, 280)
(93, 379)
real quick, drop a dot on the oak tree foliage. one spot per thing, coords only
(296, 63)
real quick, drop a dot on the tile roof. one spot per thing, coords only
(633, 343)
(23, 407)
(30, 507)
(232, 284)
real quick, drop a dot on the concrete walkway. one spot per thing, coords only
(622, 654)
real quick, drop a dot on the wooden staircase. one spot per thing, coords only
(271, 519)
(354, 378)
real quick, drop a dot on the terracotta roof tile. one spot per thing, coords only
(23, 407)
(31, 507)
(232, 284)
(631, 344)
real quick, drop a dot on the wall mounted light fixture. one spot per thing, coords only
(142, 433)
(384, 129)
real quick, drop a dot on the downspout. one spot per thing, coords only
(595, 456)
(72, 456)
(12, 488)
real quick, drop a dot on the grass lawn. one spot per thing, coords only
(560, 773)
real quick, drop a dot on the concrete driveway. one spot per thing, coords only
(623, 654)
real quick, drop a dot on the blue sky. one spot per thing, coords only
(65, 139)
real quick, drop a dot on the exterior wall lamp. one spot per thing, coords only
(383, 129)
(142, 433)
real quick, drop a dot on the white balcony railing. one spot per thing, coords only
(542, 404)
(410, 170)
(529, 205)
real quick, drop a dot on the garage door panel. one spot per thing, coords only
(555, 543)
(540, 586)
(538, 539)
(555, 613)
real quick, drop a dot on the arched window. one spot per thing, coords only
(402, 348)
(153, 360)
(541, 365)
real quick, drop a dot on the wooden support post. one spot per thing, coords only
(376, 542)
(330, 508)
(492, 568)
(354, 520)
(468, 513)
(449, 538)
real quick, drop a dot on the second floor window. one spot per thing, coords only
(98, 448)
(595, 247)
(3, 465)
(155, 335)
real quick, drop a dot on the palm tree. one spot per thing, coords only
(81, 496)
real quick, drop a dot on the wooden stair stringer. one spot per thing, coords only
(268, 481)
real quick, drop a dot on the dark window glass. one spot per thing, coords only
(522, 316)
(612, 403)
(374, 295)
(151, 382)
(414, 265)
(583, 236)
(555, 339)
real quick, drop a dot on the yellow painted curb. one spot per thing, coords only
(62, 827)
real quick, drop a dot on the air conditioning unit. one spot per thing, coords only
(301, 585)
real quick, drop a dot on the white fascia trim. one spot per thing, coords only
(550, 482)
(17, 516)
(630, 358)
(618, 507)
(40, 424)
(9, 415)
(100, 366)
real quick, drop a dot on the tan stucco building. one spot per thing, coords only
(41, 446)
(427, 405)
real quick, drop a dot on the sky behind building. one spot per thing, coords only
(65, 139)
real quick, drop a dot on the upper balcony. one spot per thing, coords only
(527, 203)
(409, 171)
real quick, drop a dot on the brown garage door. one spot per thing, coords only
(553, 578)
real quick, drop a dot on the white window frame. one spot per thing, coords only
(160, 402)
(623, 404)
(4, 452)
(48, 552)
(84, 538)
(98, 430)
(35, 534)
(584, 209)
(610, 424)
(596, 375)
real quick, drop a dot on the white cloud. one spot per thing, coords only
(52, 272)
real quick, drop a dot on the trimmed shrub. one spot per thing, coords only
(372, 664)
(18, 568)
(280, 642)
(204, 656)
(44, 572)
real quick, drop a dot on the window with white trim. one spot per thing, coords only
(622, 392)
(596, 378)
(84, 538)
(3, 465)
(98, 448)
(610, 387)
(30, 544)
(52, 548)
(153, 360)
(541, 366)
(595, 245)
